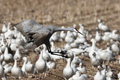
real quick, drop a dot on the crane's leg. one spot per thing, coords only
(62, 53)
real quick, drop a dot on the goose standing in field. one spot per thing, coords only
(95, 60)
(115, 36)
(75, 34)
(82, 69)
(107, 54)
(4, 63)
(23, 66)
(19, 36)
(109, 74)
(81, 29)
(4, 28)
(9, 33)
(115, 48)
(74, 67)
(13, 46)
(102, 26)
(62, 34)
(69, 37)
(93, 48)
(16, 71)
(104, 70)
(19, 39)
(76, 60)
(7, 56)
(2, 57)
(99, 75)
(67, 46)
(74, 44)
(106, 36)
(15, 42)
(98, 36)
(76, 51)
(1, 70)
(68, 71)
(40, 64)
(55, 57)
(18, 55)
(29, 67)
(53, 47)
(7, 68)
(55, 37)
(3, 44)
(45, 53)
(51, 65)
(79, 76)
(80, 40)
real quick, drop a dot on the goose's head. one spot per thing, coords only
(24, 58)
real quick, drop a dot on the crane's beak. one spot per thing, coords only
(78, 31)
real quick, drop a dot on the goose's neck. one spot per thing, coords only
(44, 49)
(78, 73)
(6, 51)
(40, 56)
(2, 41)
(97, 33)
(0, 60)
(17, 51)
(93, 44)
(68, 62)
(108, 49)
(23, 67)
(15, 63)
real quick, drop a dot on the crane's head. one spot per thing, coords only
(76, 30)
(73, 29)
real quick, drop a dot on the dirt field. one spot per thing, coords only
(63, 13)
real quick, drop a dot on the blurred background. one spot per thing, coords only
(61, 12)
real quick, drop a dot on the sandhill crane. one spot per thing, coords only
(39, 34)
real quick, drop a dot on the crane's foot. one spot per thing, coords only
(62, 53)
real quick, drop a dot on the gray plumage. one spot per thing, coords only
(39, 34)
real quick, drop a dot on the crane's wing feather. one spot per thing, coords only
(28, 26)
(39, 38)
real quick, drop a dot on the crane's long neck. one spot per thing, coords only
(64, 29)
(67, 29)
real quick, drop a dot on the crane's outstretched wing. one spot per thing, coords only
(28, 27)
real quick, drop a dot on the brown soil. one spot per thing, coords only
(62, 13)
